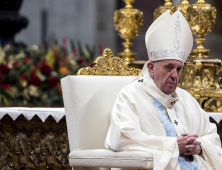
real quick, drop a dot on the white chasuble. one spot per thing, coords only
(136, 125)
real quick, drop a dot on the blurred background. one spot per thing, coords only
(43, 41)
(91, 22)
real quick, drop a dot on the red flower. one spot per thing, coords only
(26, 60)
(81, 60)
(22, 77)
(46, 69)
(43, 61)
(5, 86)
(33, 71)
(5, 69)
(38, 65)
(91, 65)
(34, 80)
(15, 64)
(75, 51)
(52, 82)
(1, 75)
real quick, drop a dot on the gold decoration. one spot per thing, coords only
(201, 18)
(5, 148)
(168, 6)
(199, 75)
(108, 65)
(128, 22)
(21, 149)
(49, 150)
(33, 144)
(183, 6)
(199, 78)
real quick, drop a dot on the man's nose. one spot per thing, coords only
(174, 74)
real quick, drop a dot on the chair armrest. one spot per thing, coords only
(110, 159)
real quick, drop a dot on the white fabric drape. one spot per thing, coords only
(29, 113)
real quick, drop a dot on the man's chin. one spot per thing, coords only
(169, 90)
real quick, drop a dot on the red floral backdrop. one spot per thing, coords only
(31, 77)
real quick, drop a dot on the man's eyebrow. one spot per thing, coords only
(171, 64)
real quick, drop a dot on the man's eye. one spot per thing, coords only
(168, 68)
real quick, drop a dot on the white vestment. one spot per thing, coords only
(136, 125)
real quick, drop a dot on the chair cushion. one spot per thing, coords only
(110, 159)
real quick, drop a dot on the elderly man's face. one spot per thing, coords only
(165, 74)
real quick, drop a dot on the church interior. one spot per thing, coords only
(44, 43)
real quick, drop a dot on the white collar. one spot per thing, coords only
(151, 88)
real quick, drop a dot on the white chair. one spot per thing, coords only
(88, 101)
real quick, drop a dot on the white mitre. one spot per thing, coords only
(169, 37)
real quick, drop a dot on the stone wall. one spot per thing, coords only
(87, 21)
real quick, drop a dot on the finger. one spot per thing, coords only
(190, 147)
(195, 149)
(182, 139)
(196, 142)
(194, 135)
(191, 140)
(179, 138)
(185, 134)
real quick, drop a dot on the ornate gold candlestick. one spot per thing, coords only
(201, 18)
(183, 6)
(199, 75)
(168, 6)
(128, 22)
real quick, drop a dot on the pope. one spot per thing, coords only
(153, 115)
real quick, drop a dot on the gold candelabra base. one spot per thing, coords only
(200, 52)
(127, 55)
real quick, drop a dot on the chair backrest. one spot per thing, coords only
(88, 101)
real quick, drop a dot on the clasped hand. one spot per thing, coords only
(188, 144)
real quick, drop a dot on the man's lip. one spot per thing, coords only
(171, 82)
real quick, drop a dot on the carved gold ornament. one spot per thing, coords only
(108, 65)
(201, 18)
(128, 22)
(183, 6)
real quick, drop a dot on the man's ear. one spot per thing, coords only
(150, 66)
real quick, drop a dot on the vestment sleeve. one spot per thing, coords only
(210, 142)
(125, 133)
